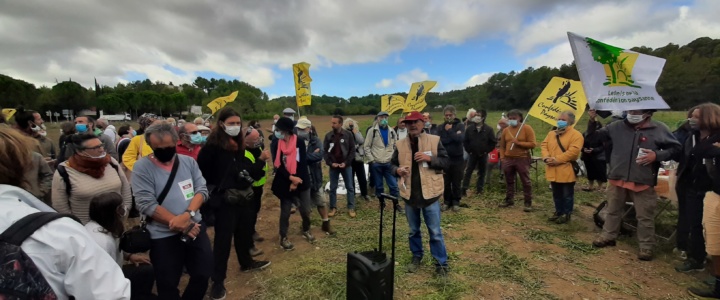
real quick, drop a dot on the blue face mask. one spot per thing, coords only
(383, 122)
(196, 139)
(134, 133)
(561, 124)
(81, 128)
(204, 140)
(512, 123)
(279, 135)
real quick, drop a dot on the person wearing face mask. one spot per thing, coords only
(314, 160)
(639, 145)
(358, 164)
(693, 182)
(138, 147)
(292, 181)
(257, 157)
(190, 140)
(478, 141)
(30, 123)
(401, 129)
(516, 142)
(84, 125)
(39, 175)
(429, 128)
(501, 125)
(89, 172)
(289, 113)
(379, 148)
(452, 134)
(594, 158)
(169, 189)
(221, 161)
(561, 147)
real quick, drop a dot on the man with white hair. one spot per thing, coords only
(108, 129)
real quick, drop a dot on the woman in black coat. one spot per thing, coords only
(593, 155)
(292, 179)
(224, 165)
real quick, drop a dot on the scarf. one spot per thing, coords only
(289, 149)
(94, 167)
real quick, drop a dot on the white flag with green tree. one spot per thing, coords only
(614, 78)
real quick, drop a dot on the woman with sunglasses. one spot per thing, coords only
(225, 168)
(89, 172)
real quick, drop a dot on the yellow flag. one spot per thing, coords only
(559, 95)
(301, 72)
(392, 103)
(220, 102)
(8, 113)
(416, 97)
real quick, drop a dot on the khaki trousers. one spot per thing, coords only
(645, 203)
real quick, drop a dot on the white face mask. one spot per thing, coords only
(635, 119)
(43, 133)
(95, 157)
(233, 130)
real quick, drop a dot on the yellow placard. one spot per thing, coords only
(220, 102)
(8, 113)
(392, 103)
(416, 97)
(301, 73)
(559, 95)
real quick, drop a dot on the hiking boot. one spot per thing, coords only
(681, 254)
(414, 264)
(327, 228)
(709, 281)
(699, 293)
(256, 265)
(645, 254)
(464, 193)
(690, 265)
(554, 217)
(351, 213)
(286, 244)
(456, 208)
(506, 204)
(332, 212)
(443, 207)
(400, 209)
(442, 271)
(218, 291)
(257, 237)
(528, 208)
(308, 236)
(563, 219)
(366, 198)
(255, 252)
(602, 243)
(293, 209)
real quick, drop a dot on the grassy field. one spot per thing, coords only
(494, 253)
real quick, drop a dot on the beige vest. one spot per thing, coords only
(432, 180)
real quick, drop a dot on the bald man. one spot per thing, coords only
(255, 153)
(190, 140)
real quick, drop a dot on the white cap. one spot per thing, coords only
(288, 111)
(203, 128)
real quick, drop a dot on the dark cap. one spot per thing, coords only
(285, 124)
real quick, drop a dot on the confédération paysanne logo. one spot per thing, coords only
(618, 64)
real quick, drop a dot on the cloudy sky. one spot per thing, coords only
(355, 47)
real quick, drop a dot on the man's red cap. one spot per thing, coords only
(413, 116)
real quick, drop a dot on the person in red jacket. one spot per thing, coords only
(190, 140)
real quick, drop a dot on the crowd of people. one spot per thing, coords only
(183, 177)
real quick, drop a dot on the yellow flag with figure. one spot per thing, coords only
(391, 103)
(416, 97)
(301, 72)
(558, 96)
(220, 102)
(8, 113)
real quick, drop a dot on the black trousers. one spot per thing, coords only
(690, 222)
(475, 162)
(304, 203)
(358, 169)
(232, 221)
(169, 255)
(142, 280)
(257, 203)
(596, 169)
(453, 179)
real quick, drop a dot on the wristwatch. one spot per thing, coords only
(191, 212)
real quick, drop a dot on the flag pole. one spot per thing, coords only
(518, 133)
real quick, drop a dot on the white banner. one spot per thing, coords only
(614, 78)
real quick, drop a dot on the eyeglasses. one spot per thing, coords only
(249, 131)
(192, 132)
(96, 147)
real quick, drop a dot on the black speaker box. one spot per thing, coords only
(369, 276)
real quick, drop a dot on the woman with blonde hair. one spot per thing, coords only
(358, 165)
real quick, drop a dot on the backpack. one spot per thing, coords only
(64, 174)
(21, 278)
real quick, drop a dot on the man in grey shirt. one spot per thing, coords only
(178, 236)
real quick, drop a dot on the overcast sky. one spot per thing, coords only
(355, 47)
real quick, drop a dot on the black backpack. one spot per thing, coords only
(64, 174)
(20, 278)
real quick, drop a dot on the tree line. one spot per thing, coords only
(691, 76)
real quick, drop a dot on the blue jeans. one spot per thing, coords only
(564, 197)
(380, 171)
(431, 214)
(349, 186)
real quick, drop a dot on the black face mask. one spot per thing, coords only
(165, 154)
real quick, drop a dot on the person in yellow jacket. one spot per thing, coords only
(560, 148)
(137, 148)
